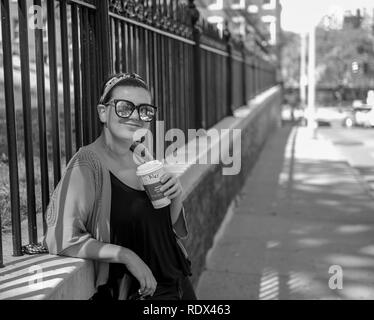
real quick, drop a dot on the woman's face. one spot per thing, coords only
(124, 129)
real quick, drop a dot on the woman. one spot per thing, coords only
(100, 211)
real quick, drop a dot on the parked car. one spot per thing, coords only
(330, 116)
(357, 103)
(360, 116)
(350, 120)
(365, 117)
(287, 110)
(333, 116)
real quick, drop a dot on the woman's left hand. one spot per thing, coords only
(172, 187)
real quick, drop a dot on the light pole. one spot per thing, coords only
(312, 125)
(303, 77)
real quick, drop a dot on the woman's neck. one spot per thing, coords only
(119, 149)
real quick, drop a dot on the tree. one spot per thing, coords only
(290, 59)
(345, 57)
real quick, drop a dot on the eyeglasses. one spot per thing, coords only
(125, 108)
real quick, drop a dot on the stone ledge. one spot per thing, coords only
(48, 277)
(191, 174)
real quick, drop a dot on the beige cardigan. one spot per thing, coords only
(79, 209)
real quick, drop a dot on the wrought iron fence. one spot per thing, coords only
(52, 76)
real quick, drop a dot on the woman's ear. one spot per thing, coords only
(101, 110)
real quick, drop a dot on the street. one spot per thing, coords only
(356, 145)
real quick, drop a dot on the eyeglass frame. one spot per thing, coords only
(135, 107)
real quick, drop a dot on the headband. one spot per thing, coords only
(115, 80)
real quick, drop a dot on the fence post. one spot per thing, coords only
(227, 38)
(11, 127)
(103, 36)
(256, 70)
(1, 249)
(194, 14)
(244, 71)
(103, 54)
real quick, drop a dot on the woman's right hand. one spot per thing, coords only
(142, 273)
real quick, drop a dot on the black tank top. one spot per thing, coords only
(136, 225)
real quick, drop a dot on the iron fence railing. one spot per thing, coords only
(52, 76)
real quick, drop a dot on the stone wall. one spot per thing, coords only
(207, 204)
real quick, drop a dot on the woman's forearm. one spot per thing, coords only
(177, 218)
(175, 209)
(100, 251)
(105, 252)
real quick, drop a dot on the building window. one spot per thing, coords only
(268, 4)
(215, 19)
(238, 25)
(238, 4)
(215, 5)
(271, 29)
(218, 22)
(268, 18)
(253, 8)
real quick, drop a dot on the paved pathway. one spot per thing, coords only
(301, 212)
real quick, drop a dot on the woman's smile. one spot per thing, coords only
(132, 124)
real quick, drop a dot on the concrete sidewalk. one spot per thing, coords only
(301, 211)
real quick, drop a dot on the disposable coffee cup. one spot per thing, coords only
(150, 174)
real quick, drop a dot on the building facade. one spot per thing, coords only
(245, 15)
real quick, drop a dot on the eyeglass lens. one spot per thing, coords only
(124, 109)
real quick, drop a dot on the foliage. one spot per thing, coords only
(338, 52)
(290, 58)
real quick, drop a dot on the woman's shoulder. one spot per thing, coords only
(86, 156)
(88, 163)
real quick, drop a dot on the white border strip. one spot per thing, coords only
(82, 3)
(145, 26)
(237, 58)
(220, 52)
